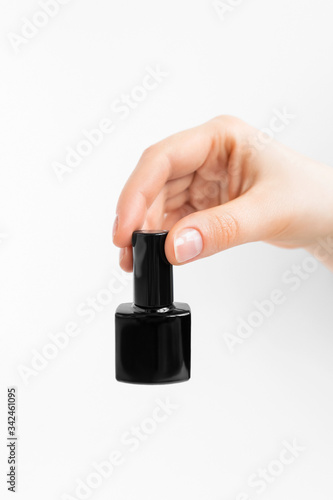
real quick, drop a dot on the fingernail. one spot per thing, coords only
(122, 254)
(188, 244)
(115, 226)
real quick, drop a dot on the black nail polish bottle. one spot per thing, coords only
(153, 335)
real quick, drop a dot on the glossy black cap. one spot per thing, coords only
(153, 277)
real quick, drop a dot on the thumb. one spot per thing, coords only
(207, 232)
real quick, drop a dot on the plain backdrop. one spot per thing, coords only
(56, 252)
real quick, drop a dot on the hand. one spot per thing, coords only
(219, 185)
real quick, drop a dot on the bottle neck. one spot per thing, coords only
(157, 310)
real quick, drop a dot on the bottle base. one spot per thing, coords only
(162, 382)
(153, 347)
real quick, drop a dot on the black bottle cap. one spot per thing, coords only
(153, 277)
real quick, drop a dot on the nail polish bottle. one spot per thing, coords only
(153, 335)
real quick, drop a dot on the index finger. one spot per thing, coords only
(171, 158)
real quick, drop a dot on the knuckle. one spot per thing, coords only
(227, 120)
(225, 230)
(157, 153)
(149, 152)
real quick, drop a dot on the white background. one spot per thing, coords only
(56, 251)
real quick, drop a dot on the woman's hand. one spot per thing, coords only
(220, 185)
